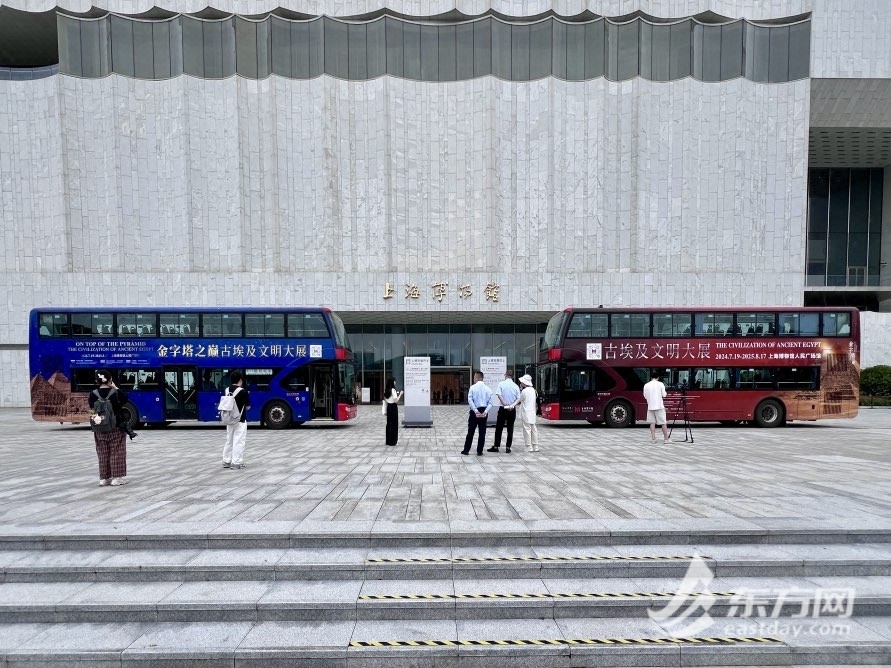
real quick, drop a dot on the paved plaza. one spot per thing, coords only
(830, 473)
(333, 550)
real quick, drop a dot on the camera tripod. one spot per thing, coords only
(682, 412)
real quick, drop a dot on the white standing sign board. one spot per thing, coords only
(493, 369)
(417, 392)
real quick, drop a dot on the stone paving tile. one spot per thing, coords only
(137, 558)
(166, 637)
(86, 637)
(824, 475)
(405, 629)
(122, 592)
(881, 625)
(333, 635)
(225, 593)
(67, 558)
(38, 593)
(605, 585)
(347, 556)
(508, 629)
(341, 592)
(877, 585)
(603, 627)
(243, 558)
(14, 635)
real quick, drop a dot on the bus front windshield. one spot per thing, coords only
(552, 333)
(340, 335)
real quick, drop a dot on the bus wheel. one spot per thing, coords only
(618, 414)
(769, 413)
(130, 415)
(277, 415)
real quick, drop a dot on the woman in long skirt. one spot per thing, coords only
(111, 446)
(391, 396)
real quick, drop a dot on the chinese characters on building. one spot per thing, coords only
(439, 291)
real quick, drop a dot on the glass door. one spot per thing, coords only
(449, 385)
(180, 393)
(322, 391)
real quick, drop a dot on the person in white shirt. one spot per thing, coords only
(479, 399)
(507, 394)
(527, 401)
(654, 392)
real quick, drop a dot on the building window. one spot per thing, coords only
(844, 230)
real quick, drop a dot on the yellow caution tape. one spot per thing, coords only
(570, 641)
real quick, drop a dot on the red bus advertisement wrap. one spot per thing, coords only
(761, 365)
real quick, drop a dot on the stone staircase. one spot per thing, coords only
(549, 598)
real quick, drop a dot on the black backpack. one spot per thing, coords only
(103, 418)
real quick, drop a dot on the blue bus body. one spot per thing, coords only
(174, 363)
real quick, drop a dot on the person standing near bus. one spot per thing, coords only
(507, 394)
(236, 434)
(528, 403)
(111, 445)
(392, 397)
(654, 393)
(479, 398)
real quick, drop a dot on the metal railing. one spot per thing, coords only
(845, 281)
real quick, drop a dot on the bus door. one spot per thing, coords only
(180, 393)
(322, 391)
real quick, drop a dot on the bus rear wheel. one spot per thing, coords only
(618, 414)
(130, 415)
(769, 413)
(277, 415)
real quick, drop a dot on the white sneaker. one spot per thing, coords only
(534, 449)
(104, 482)
(119, 481)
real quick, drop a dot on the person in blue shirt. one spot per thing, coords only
(507, 393)
(479, 398)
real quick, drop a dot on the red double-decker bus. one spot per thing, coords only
(759, 365)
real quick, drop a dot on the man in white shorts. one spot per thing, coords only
(654, 391)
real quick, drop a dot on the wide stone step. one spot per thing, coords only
(631, 641)
(418, 534)
(298, 600)
(581, 561)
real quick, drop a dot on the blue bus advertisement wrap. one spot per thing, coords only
(172, 370)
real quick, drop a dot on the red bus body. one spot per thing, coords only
(766, 378)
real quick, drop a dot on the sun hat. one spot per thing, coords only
(526, 380)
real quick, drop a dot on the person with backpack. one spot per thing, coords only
(106, 420)
(236, 423)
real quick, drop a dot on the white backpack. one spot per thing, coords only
(229, 413)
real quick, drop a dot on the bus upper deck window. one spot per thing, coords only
(53, 324)
(799, 324)
(836, 324)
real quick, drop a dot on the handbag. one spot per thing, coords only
(383, 407)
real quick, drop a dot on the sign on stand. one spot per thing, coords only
(416, 372)
(493, 369)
